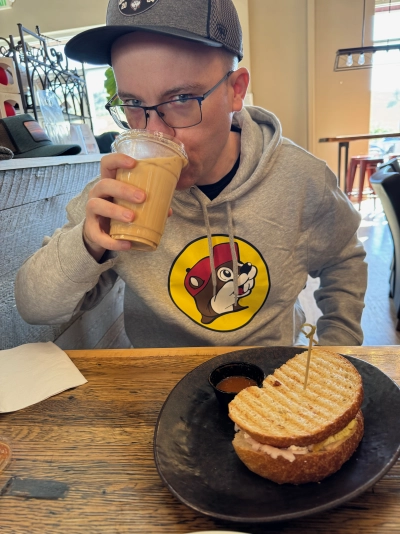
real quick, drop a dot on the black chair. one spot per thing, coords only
(105, 140)
(386, 184)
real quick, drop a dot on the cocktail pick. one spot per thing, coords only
(310, 337)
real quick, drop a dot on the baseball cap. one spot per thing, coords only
(211, 22)
(27, 139)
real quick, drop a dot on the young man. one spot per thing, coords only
(252, 216)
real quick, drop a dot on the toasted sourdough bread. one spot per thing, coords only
(310, 467)
(282, 413)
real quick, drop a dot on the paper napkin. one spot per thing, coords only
(33, 372)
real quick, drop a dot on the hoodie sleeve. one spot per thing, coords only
(337, 257)
(62, 278)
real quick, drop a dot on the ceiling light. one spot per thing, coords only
(360, 57)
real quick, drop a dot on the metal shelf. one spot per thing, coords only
(40, 67)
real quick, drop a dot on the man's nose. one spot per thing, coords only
(155, 123)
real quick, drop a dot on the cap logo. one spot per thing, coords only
(135, 7)
(36, 131)
(222, 31)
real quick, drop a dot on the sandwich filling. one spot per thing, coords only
(290, 453)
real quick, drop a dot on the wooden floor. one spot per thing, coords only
(379, 317)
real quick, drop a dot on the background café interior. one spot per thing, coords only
(330, 71)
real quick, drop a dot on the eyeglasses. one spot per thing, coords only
(182, 112)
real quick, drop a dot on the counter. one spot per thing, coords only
(33, 196)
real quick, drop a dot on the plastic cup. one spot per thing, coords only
(160, 160)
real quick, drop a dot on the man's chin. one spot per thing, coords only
(185, 181)
(181, 185)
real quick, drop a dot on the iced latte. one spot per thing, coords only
(160, 160)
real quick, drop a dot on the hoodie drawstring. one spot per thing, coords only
(233, 253)
(210, 245)
(210, 248)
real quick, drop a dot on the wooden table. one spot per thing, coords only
(344, 141)
(89, 455)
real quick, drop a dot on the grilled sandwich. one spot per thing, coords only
(290, 434)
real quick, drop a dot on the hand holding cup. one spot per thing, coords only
(159, 162)
(100, 207)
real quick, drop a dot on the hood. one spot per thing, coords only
(261, 139)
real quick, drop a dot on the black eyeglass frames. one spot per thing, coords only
(179, 113)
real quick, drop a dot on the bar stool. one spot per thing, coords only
(368, 165)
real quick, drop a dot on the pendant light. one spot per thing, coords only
(360, 57)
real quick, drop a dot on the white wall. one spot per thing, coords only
(278, 48)
(342, 99)
(293, 45)
(52, 15)
(242, 7)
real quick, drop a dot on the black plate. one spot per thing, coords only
(195, 458)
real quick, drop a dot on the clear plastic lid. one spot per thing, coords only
(142, 144)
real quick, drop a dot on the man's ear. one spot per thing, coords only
(239, 80)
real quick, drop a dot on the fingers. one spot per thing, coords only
(97, 240)
(99, 211)
(100, 207)
(108, 188)
(97, 227)
(96, 250)
(112, 162)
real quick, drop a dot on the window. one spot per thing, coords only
(385, 81)
(102, 120)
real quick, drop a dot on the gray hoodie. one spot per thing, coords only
(227, 271)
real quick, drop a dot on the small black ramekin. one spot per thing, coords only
(248, 370)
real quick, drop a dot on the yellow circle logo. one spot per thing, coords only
(211, 303)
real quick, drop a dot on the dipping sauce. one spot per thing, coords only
(234, 384)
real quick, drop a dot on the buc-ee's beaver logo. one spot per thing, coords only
(192, 289)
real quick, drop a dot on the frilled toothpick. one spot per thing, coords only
(310, 337)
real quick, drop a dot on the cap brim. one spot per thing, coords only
(50, 150)
(94, 46)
